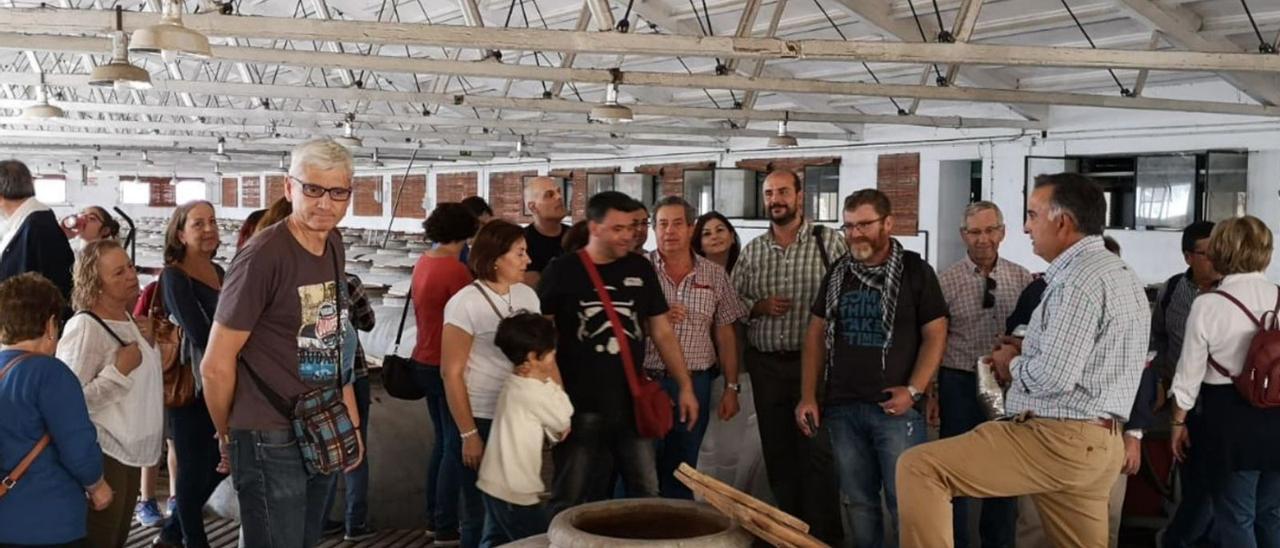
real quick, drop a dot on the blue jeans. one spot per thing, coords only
(473, 521)
(195, 444)
(961, 412)
(281, 505)
(356, 481)
(1247, 510)
(506, 522)
(444, 481)
(867, 444)
(1193, 520)
(681, 445)
(585, 462)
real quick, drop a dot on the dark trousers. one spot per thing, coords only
(1246, 508)
(1193, 520)
(585, 462)
(109, 527)
(281, 504)
(356, 482)
(801, 469)
(196, 445)
(506, 522)
(443, 476)
(961, 412)
(681, 445)
(473, 521)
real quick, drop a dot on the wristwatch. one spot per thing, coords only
(735, 387)
(915, 394)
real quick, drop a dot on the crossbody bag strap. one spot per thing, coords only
(822, 246)
(404, 314)
(11, 479)
(339, 291)
(485, 294)
(282, 405)
(624, 343)
(104, 325)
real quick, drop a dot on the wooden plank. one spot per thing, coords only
(687, 475)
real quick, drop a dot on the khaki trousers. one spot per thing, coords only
(1068, 468)
(109, 528)
(1031, 531)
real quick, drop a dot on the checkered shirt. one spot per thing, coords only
(709, 301)
(765, 269)
(973, 330)
(362, 318)
(1086, 344)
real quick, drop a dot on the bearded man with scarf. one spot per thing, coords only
(876, 336)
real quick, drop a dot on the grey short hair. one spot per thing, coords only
(690, 214)
(323, 154)
(529, 193)
(976, 207)
(15, 181)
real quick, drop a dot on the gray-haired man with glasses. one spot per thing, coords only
(981, 291)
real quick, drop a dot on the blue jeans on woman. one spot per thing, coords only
(443, 475)
(867, 443)
(356, 481)
(1247, 510)
(474, 523)
(195, 444)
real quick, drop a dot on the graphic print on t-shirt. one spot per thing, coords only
(861, 318)
(321, 331)
(594, 328)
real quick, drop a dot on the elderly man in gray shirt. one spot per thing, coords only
(1071, 385)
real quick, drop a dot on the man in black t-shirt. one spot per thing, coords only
(603, 433)
(878, 330)
(545, 200)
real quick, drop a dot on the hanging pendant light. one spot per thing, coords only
(146, 161)
(119, 72)
(519, 151)
(611, 111)
(170, 37)
(783, 139)
(42, 110)
(221, 155)
(349, 138)
(282, 168)
(376, 162)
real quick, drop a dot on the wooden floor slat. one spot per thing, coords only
(224, 533)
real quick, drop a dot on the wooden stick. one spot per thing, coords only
(687, 474)
(757, 523)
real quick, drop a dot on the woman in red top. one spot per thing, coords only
(437, 276)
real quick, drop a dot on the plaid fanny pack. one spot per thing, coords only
(325, 434)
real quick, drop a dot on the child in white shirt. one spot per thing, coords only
(532, 404)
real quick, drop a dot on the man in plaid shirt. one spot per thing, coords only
(981, 290)
(702, 301)
(777, 278)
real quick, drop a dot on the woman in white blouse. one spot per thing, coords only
(119, 369)
(1215, 430)
(474, 368)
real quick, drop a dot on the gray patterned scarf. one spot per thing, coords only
(886, 277)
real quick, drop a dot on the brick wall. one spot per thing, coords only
(671, 176)
(898, 176)
(409, 204)
(275, 189)
(250, 192)
(577, 178)
(453, 187)
(162, 193)
(363, 199)
(506, 195)
(230, 192)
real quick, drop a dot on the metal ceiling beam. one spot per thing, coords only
(961, 31)
(86, 21)
(1181, 26)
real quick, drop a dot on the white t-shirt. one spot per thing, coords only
(128, 410)
(512, 464)
(487, 367)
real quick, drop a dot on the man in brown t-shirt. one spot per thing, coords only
(281, 314)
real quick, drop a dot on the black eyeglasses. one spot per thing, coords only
(989, 295)
(337, 193)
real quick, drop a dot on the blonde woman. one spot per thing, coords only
(120, 372)
(1216, 432)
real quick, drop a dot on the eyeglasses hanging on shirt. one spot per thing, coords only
(989, 295)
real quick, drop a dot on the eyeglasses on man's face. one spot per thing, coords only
(337, 193)
(989, 232)
(861, 227)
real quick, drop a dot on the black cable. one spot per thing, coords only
(525, 14)
(1123, 90)
(707, 13)
(625, 24)
(1263, 45)
(923, 36)
(510, 10)
(706, 30)
(865, 66)
(395, 202)
(942, 27)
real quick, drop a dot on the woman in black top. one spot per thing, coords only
(189, 285)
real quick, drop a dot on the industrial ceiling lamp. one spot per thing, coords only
(217, 170)
(376, 162)
(42, 110)
(611, 111)
(221, 155)
(783, 139)
(281, 168)
(519, 152)
(169, 37)
(146, 161)
(349, 138)
(95, 168)
(119, 72)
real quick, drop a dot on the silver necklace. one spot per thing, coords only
(505, 298)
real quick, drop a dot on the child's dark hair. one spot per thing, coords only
(523, 333)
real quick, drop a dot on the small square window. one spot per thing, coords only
(190, 191)
(51, 190)
(135, 192)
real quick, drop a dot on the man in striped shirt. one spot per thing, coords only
(777, 277)
(1071, 387)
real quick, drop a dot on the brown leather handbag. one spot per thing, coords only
(179, 379)
(11, 479)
